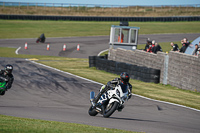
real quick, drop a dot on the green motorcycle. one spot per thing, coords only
(2, 85)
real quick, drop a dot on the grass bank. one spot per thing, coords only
(100, 10)
(11, 124)
(33, 29)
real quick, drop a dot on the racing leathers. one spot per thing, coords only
(8, 77)
(110, 85)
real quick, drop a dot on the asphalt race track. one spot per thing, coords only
(88, 45)
(42, 93)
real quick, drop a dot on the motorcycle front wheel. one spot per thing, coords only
(109, 109)
(2, 93)
(92, 111)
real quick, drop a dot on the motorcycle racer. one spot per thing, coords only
(7, 74)
(123, 80)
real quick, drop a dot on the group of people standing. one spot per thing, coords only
(185, 43)
(152, 46)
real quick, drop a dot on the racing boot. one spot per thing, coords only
(120, 108)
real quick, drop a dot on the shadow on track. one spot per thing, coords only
(130, 119)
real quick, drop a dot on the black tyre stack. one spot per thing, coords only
(120, 67)
(100, 63)
(111, 66)
(136, 72)
(92, 61)
(100, 18)
(153, 75)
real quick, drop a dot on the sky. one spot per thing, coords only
(114, 2)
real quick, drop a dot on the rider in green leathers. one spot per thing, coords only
(7, 75)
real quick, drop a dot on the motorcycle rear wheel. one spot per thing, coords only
(92, 111)
(108, 111)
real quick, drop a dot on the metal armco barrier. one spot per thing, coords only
(93, 18)
(136, 72)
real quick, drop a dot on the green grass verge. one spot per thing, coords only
(11, 124)
(104, 53)
(33, 29)
(10, 52)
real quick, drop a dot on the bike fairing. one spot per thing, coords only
(111, 97)
(104, 97)
(118, 81)
(112, 84)
(8, 79)
(2, 86)
(112, 100)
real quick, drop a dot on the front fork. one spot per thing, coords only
(92, 95)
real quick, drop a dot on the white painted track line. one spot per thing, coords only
(16, 52)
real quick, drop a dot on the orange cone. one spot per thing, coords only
(26, 46)
(78, 47)
(48, 47)
(64, 47)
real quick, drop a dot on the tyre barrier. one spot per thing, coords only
(92, 61)
(141, 73)
(96, 18)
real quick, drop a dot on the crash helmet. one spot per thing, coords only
(8, 69)
(124, 77)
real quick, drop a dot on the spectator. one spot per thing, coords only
(197, 49)
(153, 43)
(148, 45)
(121, 40)
(186, 42)
(153, 48)
(156, 48)
(182, 42)
(174, 47)
(183, 48)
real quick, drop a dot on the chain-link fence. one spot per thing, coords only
(64, 9)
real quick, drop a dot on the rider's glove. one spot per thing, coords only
(110, 85)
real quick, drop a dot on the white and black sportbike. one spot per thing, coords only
(110, 101)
